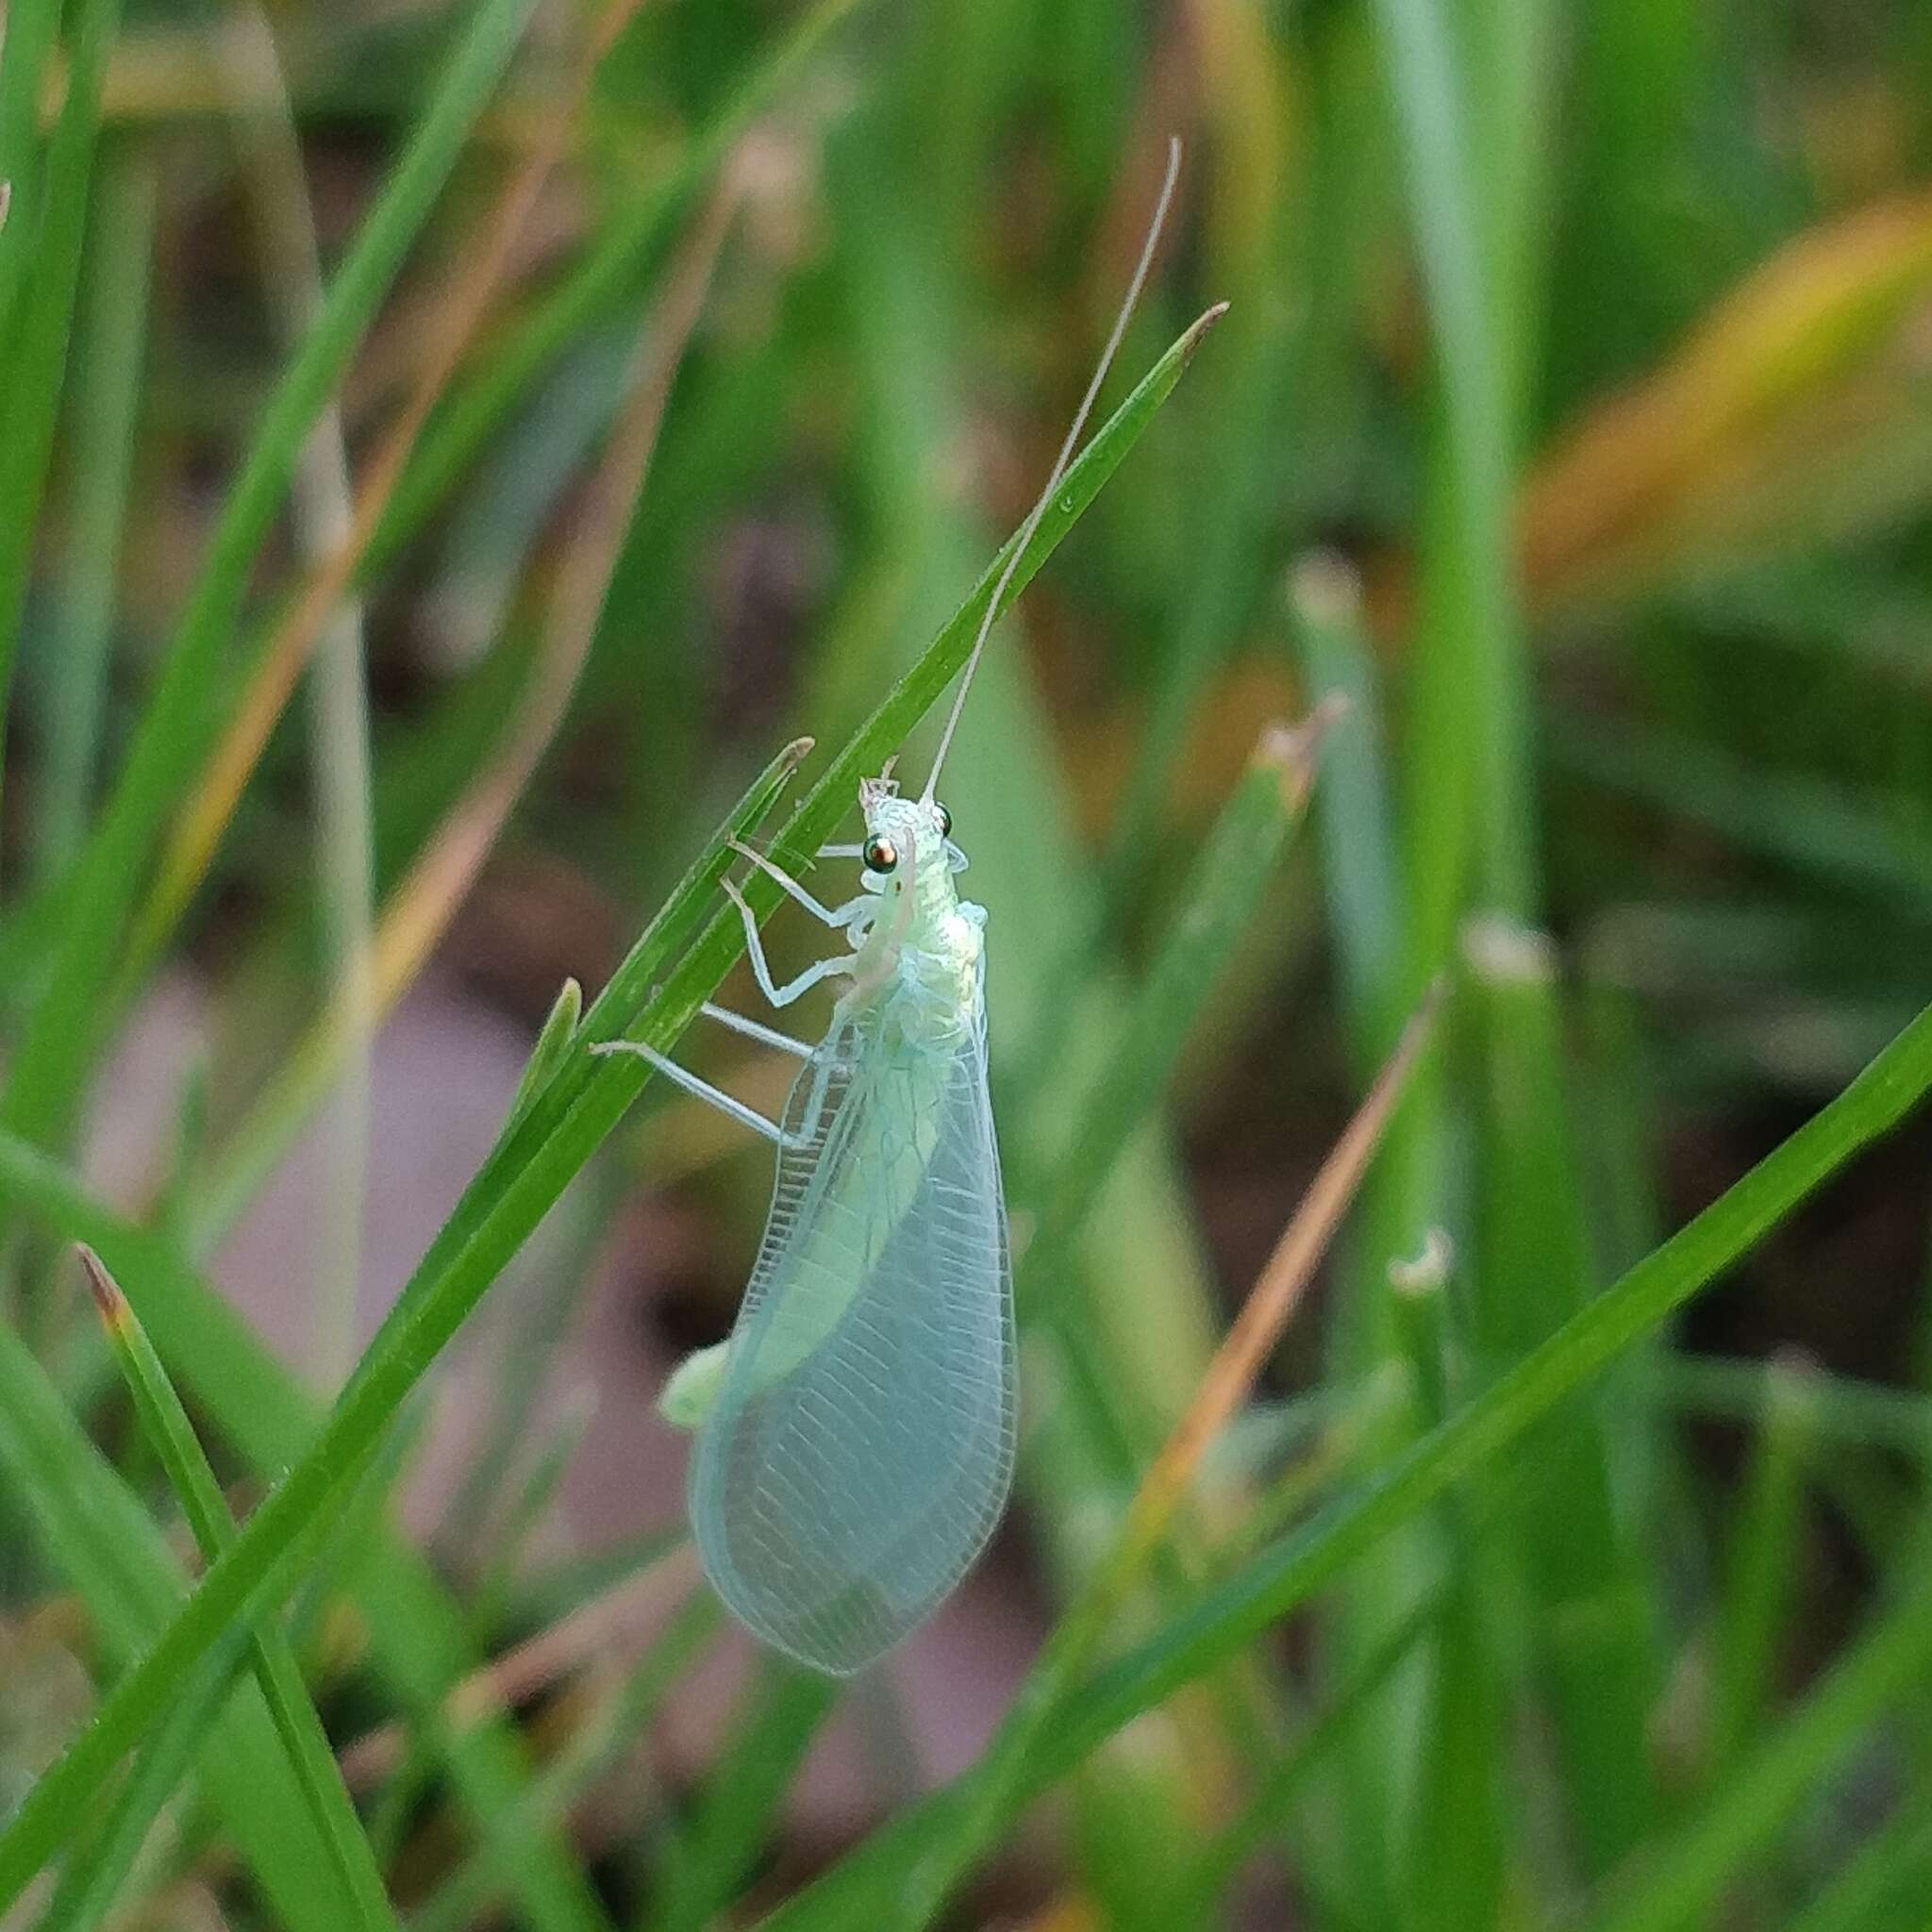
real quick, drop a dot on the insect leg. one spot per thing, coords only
(701, 1090)
(832, 916)
(842, 852)
(761, 971)
(753, 1030)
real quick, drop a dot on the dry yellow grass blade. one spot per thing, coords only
(198, 830)
(612, 1621)
(1799, 373)
(1230, 1376)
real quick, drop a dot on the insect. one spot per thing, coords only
(854, 1433)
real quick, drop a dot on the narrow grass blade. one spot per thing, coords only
(1264, 1818)
(1239, 859)
(101, 1860)
(1883, 1883)
(37, 329)
(1592, 1620)
(337, 566)
(532, 1165)
(476, 1889)
(1760, 1568)
(311, 1756)
(95, 1533)
(733, 1817)
(1352, 810)
(30, 33)
(47, 1076)
(418, 1636)
(617, 268)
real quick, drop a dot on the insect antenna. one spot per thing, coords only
(1060, 468)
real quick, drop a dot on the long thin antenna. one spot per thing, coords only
(1060, 468)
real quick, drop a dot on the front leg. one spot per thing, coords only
(761, 971)
(834, 916)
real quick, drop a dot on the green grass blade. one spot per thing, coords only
(1754, 1601)
(475, 1889)
(30, 32)
(310, 1756)
(1352, 808)
(95, 1532)
(186, 709)
(101, 1860)
(520, 1183)
(37, 329)
(1592, 1620)
(1266, 1816)
(1239, 859)
(552, 1048)
(1883, 1883)
(766, 1742)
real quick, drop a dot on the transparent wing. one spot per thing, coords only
(861, 1446)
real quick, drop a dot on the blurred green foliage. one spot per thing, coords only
(1571, 421)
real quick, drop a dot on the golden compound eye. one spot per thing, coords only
(881, 854)
(945, 823)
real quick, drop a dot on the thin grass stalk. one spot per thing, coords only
(1685, 1877)
(1883, 1883)
(1760, 1568)
(339, 699)
(31, 29)
(97, 1534)
(417, 1633)
(477, 1885)
(102, 1859)
(615, 272)
(420, 909)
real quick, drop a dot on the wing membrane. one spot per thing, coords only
(862, 1447)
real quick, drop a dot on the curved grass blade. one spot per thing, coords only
(310, 1756)
(96, 1533)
